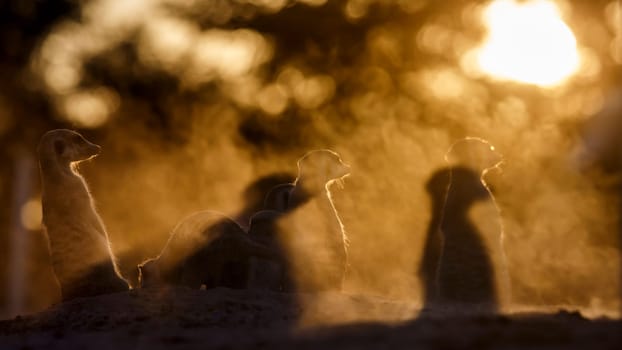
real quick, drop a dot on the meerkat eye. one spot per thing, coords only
(59, 147)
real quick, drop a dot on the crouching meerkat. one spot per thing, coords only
(206, 248)
(80, 250)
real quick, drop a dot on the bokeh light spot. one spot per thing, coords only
(445, 84)
(273, 99)
(92, 108)
(228, 54)
(31, 214)
(166, 42)
(356, 9)
(314, 91)
(528, 42)
(62, 77)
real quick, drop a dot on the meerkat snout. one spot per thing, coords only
(343, 171)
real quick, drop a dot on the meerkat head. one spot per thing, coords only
(323, 166)
(66, 146)
(465, 185)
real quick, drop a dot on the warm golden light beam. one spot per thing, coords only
(527, 42)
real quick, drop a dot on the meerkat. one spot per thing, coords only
(205, 248)
(270, 274)
(80, 250)
(310, 230)
(457, 267)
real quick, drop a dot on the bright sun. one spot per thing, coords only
(527, 42)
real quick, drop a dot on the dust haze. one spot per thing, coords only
(195, 101)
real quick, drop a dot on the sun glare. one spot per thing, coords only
(527, 42)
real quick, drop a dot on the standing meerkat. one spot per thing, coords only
(80, 250)
(457, 268)
(310, 230)
(464, 263)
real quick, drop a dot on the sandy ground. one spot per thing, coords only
(245, 319)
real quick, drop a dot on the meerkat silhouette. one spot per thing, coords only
(254, 195)
(80, 250)
(201, 251)
(456, 266)
(463, 262)
(270, 274)
(308, 234)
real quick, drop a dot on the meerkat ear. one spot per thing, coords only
(59, 147)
